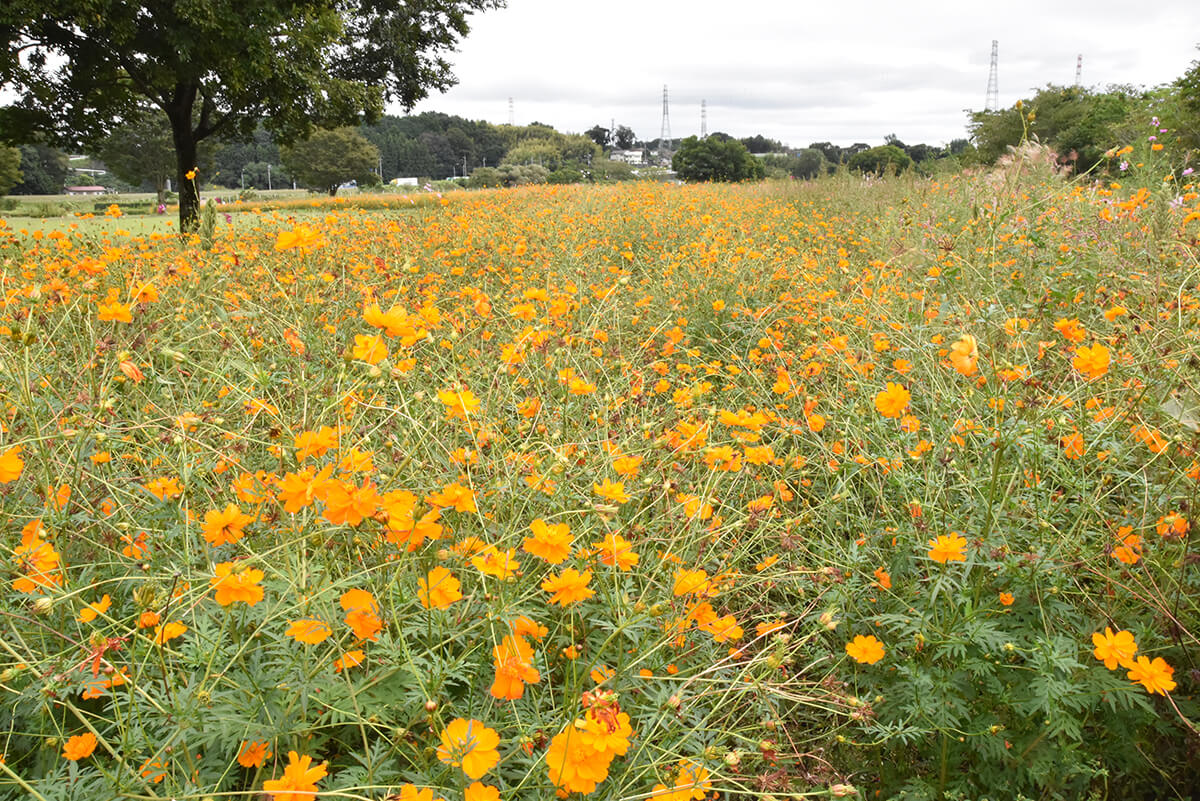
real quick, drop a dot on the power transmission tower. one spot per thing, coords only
(664, 135)
(1079, 70)
(703, 119)
(993, 90)
(511, 118)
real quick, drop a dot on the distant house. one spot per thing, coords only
(628, 156)
(86, 190)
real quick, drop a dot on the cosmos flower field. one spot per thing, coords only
(848, 488)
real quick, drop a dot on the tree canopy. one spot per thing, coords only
(218, 67)
(880, 159)
(10, 168)
(712, 159)
(328, 159)
(141, 151)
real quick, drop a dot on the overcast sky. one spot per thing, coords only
(800, 71)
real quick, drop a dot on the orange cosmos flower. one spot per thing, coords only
(11, 465)
(892, 400)
(439, 589)
(93, 610)
(513, 659)
(867, 650)
(470, 745)
(1071, 330)
(455, 495)
(549, 542)
(299, 782)
(1092, 361)
(348, 505)
(460, 405)
(964, 354)
(1072, 445)
(1114, 649)
(1130, 549)
(481, 792)
(627, 466)
(948, 548)
(615, 550)
(691, 581)
(235, 582)
(115, 312)
(309, 631)
(611, 491)
(315, 443)
(348, 660)
(569, 587)
(369, 348)
(221, 527)
(168, 631)
(253, 754)
(132, 372)
(164, 488)
(493, 562)
(1154, 676)
(299, 490)
(303, 238)
(883, 579)
(81, 746)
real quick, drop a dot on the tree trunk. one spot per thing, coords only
(179, 112)
(160, 189)
(189, 197)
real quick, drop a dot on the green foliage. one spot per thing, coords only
(44, 171)
(10, 168)
(1078, 124)
(554, 152)
(884, 159)
(329, 158)
(220, 66)
(1188, 125)
(141, 151)
(714, 159)
(564, 175)
(807, 163)
(208, 224)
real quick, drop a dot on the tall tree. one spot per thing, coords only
(141, 151)
(712, 159)
(599, 134)
(328, 159)
(624, 137)
(44, 170)
(219, 66)
(10, 168)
